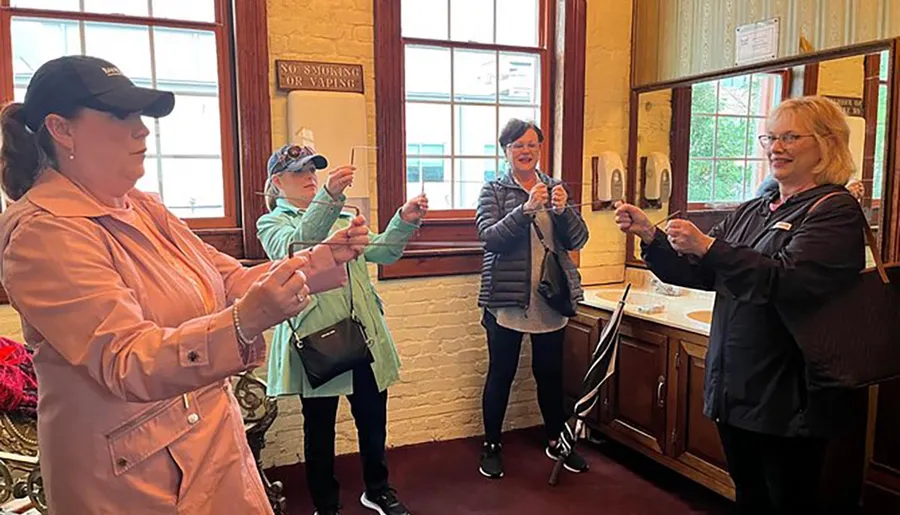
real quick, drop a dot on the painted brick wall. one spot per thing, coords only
(606, 92)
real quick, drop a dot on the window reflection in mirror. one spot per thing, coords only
(726, 163)
(710, 129)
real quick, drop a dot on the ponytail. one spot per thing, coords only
(272, 193)
(21, 155)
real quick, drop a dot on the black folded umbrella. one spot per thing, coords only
(603, 365)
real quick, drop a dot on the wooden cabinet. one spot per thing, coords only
(654, 402)
(654, 405)
(694, 437)
(881, 492)
(636, 395)
(581, 337)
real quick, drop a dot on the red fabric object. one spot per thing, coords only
(18, 383)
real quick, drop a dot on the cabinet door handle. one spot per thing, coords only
(661, 382)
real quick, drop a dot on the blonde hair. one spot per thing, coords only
(829, 127)
(272, 193)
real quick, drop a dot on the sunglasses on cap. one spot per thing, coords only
(290, 154)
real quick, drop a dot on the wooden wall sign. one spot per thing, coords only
(317, 76)
(852, 106)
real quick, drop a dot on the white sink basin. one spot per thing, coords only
(634, 298)
(702, 315)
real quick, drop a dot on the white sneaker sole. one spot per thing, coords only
(369, 504)
(565, 465)
(485, 474)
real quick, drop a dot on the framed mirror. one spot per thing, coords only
(706, 130)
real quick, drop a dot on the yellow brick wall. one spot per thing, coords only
(607, 67)
(842, 77)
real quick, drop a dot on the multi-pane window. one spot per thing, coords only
(172, 45)
(881, 125)
(470, 66)
(727, 164)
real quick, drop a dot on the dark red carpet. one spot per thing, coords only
(442, 478)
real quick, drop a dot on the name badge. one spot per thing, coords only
(784, 226)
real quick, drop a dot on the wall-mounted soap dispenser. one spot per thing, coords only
(607, 180)
(656, 179)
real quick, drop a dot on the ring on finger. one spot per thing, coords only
(301, 298)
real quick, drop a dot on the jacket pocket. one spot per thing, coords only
(180, 473)
(151, 432)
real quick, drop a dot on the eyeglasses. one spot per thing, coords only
(291, 154)
(767, 140)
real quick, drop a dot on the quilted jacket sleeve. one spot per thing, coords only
(499, 232)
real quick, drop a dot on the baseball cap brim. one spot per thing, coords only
(133, 99)
(317, 160)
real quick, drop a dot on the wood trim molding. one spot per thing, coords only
(680, 144)
(390, 124)
(771, 66)
(871, 65)
(631, 173)
(890, 237)
(810, 79)
(6, 73)
(575, 39)
(389, 120)
(254, 122)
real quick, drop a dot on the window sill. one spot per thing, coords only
(433, 263)
(439, 226)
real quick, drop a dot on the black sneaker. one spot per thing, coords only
(491, 464)
(385, 503)
(574, 463)
(330, 511)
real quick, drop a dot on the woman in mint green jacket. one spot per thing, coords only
(301, 211)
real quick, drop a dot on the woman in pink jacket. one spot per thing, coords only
(137, 324)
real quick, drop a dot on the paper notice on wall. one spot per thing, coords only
(756, 42)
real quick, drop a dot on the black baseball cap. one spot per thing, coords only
(82, 81)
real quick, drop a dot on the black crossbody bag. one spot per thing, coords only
(338, 348)
(554, 285)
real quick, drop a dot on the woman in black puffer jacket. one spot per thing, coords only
(515, 212)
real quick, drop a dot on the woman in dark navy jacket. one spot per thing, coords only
(517, 215)
(770, 250)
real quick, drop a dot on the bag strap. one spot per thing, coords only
(540, 234)
(871, 242)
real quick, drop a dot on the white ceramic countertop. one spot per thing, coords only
(675, 309)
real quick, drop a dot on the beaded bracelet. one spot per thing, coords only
(237, 325)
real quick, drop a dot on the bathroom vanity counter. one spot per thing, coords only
(690, 311)
(654, 401)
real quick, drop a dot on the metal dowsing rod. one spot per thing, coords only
(474, 245)
(340, 205)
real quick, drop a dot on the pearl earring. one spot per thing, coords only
(71, 157)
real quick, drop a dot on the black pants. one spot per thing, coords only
(773, 474)
(369, 409)
(504, 346)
